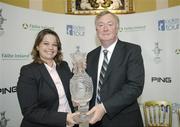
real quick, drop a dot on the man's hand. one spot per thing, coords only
(97, 112)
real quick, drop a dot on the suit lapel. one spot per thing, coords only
(47, 77)
(95, 65)
(116, 58)
(93, 70)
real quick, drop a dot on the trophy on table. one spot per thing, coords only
(81, 86)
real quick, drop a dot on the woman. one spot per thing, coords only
(43, 85)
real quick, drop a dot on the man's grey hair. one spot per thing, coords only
(105, 13)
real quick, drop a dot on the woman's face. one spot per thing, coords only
(48, 48)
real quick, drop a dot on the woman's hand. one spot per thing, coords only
(69, 120)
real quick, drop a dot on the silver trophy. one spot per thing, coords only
(81, 86)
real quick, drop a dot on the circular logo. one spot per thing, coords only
(177, 51)
(25, 25)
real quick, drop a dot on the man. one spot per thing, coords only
(118, 85)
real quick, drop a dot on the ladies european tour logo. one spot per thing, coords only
(169, 24)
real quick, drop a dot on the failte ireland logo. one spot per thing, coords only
(15, 56)
(132, 28)
(35, 27)
(3, 119)
(73, 30)
(169, 24)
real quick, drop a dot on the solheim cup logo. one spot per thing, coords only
(2, 19)
(157, 51)
(3, 119)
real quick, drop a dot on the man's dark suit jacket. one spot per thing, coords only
(123, 84)
(38, 95)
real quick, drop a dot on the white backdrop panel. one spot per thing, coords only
(160, 49)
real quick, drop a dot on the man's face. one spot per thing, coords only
(107, 29)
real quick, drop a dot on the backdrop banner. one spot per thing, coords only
(157, 32)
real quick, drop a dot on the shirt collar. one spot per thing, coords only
(50, 68)
(110, 48)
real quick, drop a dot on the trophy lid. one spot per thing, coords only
(78, 61)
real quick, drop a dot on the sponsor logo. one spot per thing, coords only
(161, 79)
(3, 119)
(157, 52)
(15, 56)
(73, 30)
(177, 51)
(7, 90)
(35, 27)
(2, 19)
(132, 28)
(169, 24)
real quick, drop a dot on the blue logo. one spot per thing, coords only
(161, 25)
(73, 30)
(169, 24)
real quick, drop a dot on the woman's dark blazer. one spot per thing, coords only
(38, 97)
